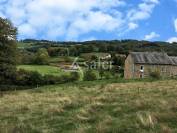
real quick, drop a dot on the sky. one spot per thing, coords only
(83, 20)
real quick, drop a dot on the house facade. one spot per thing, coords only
(141, 64)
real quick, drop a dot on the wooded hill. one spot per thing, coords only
(117, 46)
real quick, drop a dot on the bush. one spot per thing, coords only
(42, 57)
(155, 75)
(108, 75)
(49, 79)
(91, 75)
(75, 76)
(24, 77)
(30, 78)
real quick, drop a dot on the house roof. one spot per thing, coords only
(154, 58)
(174, 59)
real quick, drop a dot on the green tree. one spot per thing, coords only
(91, 75)
(8, 52)
(42, 57)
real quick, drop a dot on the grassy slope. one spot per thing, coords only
(44, 70)
(137, 107)
(24, 45)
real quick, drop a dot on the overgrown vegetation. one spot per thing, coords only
(134, 107)
(155, 74)
(7, 51)
(91, 75)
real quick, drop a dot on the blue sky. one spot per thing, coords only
(80, 20)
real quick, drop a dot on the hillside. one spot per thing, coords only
(132, 107)
(118, 46)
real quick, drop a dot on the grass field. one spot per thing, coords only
(24, 45)
(65, 59)
(42, 69)
(89, 55)
(133, 107)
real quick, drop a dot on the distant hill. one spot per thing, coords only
(118, 46)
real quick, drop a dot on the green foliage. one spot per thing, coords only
(75, 76)
(117, 46)
(91, 75)
(108, 75)
(58, 51)
(118, 60)
(28, 78)
(155, 74)
(26, 58)
(42, 57)
(101, 73)
(33, 78)
(44, 69)
(7, 51)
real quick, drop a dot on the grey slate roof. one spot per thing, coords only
(174, 59)
(153, 58)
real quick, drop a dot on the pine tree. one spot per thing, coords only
(7, 51)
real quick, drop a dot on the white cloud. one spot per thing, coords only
(26, 30)
(70, 19)
(132, 26)
(171, 40)
(88, 39)
(151, 36)
(94, 21)
(144, 10)
(152, 1)
(175, 23)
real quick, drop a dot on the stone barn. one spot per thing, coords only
(141, 64)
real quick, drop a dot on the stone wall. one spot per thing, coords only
(132, 70)
(164, 70)
(129, 68)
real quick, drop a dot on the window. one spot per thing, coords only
(142, 67)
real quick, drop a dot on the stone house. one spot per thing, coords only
(141, 64)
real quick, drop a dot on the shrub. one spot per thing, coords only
(155, 74)
(36, 78)
(101, 73)
(24, 77)
(26, 57)
(108, 75)
(91, 75)
(42, 57)
(50, 79)
(30, 78)
(75, 76)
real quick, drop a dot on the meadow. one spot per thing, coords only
(43, 69)
(93, 107)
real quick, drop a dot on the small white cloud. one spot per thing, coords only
(88, 39)
(151, 36)
(175, 23)
(132, 26)
(152, 1)
(26, 30)
(171, 40)
(144, 10)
